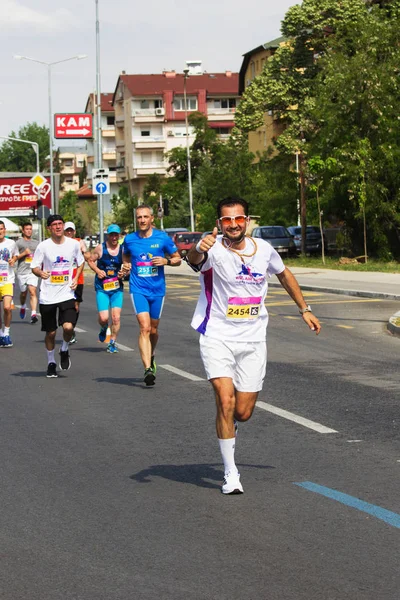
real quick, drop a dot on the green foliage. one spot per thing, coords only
(83, 174)
(123, 208)
(17, 157)
(335, 86)
(68, 210)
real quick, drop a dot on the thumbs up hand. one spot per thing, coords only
(208, 242)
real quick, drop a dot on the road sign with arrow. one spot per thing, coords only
(101, 181)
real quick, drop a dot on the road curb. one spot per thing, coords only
(394, 324)
(357, 293)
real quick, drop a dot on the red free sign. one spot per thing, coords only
(73, 126)
(18, 196)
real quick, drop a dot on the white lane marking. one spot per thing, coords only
(264, 405)
(79, 330)
(121, 347)
(292, 417)
(181, 373)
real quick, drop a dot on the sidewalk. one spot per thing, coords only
(366, 284)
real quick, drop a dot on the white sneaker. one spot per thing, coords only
(232, 484)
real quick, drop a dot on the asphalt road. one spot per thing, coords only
(111, 490)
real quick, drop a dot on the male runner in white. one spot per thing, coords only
(8, 257)
(232, 319)
(27, 281)
(53, 262)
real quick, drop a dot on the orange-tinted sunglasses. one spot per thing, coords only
(240, 220)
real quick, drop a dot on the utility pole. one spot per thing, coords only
(99, 153)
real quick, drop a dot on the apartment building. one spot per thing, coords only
(72, 160)
(150, 117)
(107, 139)
(253, 63)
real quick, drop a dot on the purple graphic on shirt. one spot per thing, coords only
(246, 270)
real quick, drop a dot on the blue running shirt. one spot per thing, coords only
(145, 278)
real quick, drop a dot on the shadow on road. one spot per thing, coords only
(193, 474)
(35, 374)
(130, 381)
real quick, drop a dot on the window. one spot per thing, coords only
(252, 70)
(68, 162)
(111, 120)
(145, 158)
(145, 132)
(179, 103)
(144, 104)
(222, 130)
(159, 156)
(158, 104)
(225, 103)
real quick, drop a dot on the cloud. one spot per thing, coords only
(15, 15)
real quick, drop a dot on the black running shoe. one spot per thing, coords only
(65, 361)
(34, 319)
(51, 370)
(149, 377)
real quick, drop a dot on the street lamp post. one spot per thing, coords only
(189, 166)
(49, 65)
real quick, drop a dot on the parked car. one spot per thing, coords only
(184, 240)
(171, 231)
(313, 239)
(278, 237)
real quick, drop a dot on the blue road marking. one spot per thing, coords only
(391, 518)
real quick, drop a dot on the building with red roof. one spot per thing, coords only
(150, 117)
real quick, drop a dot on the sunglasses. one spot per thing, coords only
(239, 219)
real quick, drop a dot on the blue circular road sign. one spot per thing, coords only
(101, 187)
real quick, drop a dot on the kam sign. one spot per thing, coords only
(19, 195)
(73, 126)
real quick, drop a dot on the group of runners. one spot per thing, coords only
(230, 315)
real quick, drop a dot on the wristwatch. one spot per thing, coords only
(306, 309)
(168, 262)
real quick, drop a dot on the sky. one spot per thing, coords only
(137, 37)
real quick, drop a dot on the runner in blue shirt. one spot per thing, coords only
(106, 262)
(145, 250)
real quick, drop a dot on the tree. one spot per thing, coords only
(287, 85)
(17, 157)
(83, 174)
(123, 208)
(92, 216)
(68, 210)
(357, 112)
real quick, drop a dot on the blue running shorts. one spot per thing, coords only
(106, 300)
(150, 304)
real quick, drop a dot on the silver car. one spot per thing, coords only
(278, 237)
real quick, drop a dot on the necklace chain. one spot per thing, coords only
(241, 255)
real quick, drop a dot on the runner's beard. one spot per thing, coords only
(236, 240)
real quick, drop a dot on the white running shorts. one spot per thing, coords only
(243, 362)
(25, 280)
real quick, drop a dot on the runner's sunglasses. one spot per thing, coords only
(240, 220)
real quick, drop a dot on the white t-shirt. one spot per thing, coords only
(59, 260)
(8, 249)
(231, 303)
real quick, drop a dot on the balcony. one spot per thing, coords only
(149, 142)
(108, 132)
(146, 169)
(109, 154)
(148, 115)
(120, 121)
(220, 111)
(120, 143)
